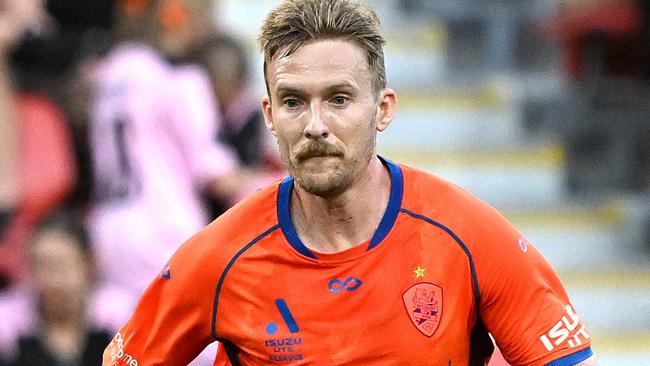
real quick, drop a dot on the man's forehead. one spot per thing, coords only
(337, 61)
(339, 45)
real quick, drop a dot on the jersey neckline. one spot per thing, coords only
(385, 225)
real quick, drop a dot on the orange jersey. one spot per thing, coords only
(442, 270)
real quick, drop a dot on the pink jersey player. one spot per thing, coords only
(151, 137)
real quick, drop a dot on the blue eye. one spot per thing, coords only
(339, 99)
(291, 103)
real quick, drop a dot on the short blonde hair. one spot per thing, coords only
(295, 22)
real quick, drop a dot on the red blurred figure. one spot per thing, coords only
(610, 28)
(38, 166)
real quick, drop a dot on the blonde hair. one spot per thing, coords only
(295, 22)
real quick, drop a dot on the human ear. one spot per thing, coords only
(386, 108)
(268, 115)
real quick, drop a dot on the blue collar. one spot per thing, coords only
(385, 225)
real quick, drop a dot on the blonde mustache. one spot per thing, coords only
(315, 149)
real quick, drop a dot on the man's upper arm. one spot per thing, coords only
(523, 302)
(172, 323)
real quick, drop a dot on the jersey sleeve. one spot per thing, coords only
(523, 302)
(171, 324)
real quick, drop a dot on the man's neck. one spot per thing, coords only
(334, 224)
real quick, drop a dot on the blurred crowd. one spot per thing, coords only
(606, 50)
(604, 122)
(127, 125)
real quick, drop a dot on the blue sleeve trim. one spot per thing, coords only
(573, 358)
(477, 292)
(481, 345)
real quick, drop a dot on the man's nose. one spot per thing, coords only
(316, 127)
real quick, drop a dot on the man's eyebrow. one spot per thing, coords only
(288, 90)
(343, 86)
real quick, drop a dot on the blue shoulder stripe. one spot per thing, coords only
(215, 304)
(477, 293)
(481, 346)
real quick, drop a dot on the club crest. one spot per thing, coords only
(423, 303)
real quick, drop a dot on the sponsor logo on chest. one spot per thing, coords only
(283, 349)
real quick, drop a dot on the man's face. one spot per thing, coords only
(324, 114)
(60, 274)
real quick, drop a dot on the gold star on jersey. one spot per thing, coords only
(419, 272)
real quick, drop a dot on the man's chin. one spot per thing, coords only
(322, 185)
(319, 168)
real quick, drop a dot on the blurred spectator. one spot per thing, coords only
(50, 322)
(184, 24)
(43, 41)
(242, 129)
(601, 38)
(645, 35)
(151, 135)
(605, 125)
(38, 168)
(152, 128)
(8, 134)
(63, 33)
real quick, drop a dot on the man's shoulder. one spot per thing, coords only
(426, 190)
(216, 244)
(447, 203)
(134, 65)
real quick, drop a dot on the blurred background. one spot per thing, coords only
(539, 107)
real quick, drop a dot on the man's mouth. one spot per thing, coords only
(317, 155)
(316, 150)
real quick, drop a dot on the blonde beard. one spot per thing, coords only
(340, 179)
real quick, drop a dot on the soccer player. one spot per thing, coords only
(352, 259)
